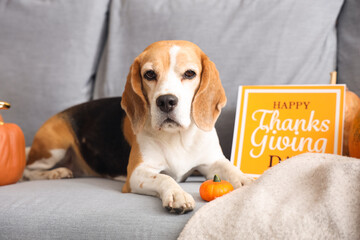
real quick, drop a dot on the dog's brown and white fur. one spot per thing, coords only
(172, 99)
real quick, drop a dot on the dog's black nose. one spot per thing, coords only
(167, 103)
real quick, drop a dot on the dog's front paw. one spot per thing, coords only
(59, 173)
(178, 201)
(240, 180)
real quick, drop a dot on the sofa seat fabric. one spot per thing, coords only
(87, 208)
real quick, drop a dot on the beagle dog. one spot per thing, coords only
(163, 131)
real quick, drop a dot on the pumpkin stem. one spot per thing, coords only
(4, 105)
(216, 178)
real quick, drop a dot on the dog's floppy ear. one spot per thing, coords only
(209, 98)
(133, 100)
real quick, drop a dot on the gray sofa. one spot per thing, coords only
(57, 53)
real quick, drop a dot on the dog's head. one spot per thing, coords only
(172, 84)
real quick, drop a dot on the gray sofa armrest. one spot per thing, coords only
(348, 56)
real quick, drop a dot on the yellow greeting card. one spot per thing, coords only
(274, 123)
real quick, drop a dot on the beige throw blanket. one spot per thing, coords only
(310, 196)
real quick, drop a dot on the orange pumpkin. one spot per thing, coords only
(354, 137)
(352, 106)
(211, 189)
(12, 151)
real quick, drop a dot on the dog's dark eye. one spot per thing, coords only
(150, 75)
(189, 74)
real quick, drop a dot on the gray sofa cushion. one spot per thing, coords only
(250, 41)
(48, 57)
(87, 208)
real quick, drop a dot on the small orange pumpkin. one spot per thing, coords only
(211, 189)
(354, 137)
(352, 106)
(12, 151)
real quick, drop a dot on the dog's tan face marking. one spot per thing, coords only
(182, 74)
(175, 71)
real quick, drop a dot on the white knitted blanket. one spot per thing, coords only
(310, 196)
